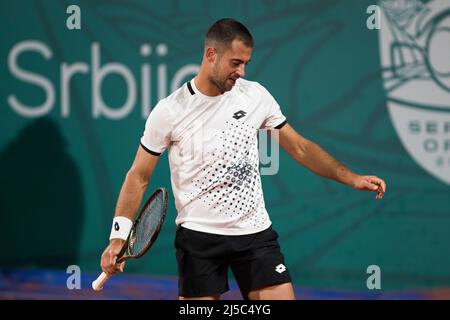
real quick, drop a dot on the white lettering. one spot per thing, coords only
(15, 104)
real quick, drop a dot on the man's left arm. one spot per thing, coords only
(313, 157)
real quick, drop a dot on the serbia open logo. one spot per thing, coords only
(415, 56)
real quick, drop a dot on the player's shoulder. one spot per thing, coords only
(174, 101)
(252, 88)
(244, 84)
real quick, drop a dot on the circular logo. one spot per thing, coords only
(415, 56)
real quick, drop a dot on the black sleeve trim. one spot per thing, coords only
(281, 125)
(153, 153)
(190, 88)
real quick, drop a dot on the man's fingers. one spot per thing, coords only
(106, 263)
(110, 264)
(373, 183)
(115, 267)
(379, 182)
(108, 267)
(112, 260)
(380, 193)
(370, 185)
(382, 186)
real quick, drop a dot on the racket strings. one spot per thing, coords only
(148, 224)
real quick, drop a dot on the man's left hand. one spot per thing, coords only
(370, 183)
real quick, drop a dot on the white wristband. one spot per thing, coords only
(120, 228)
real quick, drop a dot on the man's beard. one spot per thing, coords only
(217, 81)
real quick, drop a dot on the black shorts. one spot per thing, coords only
(203, 260)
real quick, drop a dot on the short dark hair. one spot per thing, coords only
(224, 31)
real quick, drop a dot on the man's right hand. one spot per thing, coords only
(109, 257)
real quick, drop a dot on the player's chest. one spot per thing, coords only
(220, 120)
(228, 125)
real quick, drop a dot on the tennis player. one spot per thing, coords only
(209, 127)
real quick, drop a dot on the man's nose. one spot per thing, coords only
(241, 71)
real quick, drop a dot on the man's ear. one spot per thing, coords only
(211, 54)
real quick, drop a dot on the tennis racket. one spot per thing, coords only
(143, 233)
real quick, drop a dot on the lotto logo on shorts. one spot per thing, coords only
(280, 268)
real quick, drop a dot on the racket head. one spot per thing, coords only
(146, 226)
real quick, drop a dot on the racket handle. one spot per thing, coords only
(98, 284)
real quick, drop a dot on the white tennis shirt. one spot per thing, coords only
(213, 155)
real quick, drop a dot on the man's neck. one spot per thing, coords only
(205, 86)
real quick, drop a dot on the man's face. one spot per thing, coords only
(229, 65)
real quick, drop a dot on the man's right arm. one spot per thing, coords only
(135, 184)
(130, 197)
